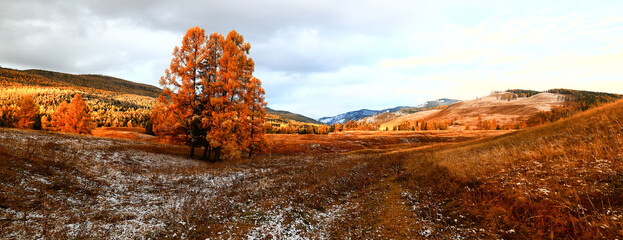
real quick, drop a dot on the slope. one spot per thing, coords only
(113, 102)
(514, 108)
(499, 106)
(406, 113)
(35, 77)
(371, 116)
(291, 116)
(560, 180)
(348, 116)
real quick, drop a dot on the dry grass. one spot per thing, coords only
(556, 181)
(562, 180)
(494, 106)
(367, 141)
(69, 186)
(122, 133)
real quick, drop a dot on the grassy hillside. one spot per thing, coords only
(64, 186)
(113, 102)
(42, 78)
(385, 117)
(291, 116)
(515, 108)
(560, 180)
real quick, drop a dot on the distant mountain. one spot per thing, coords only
(387, 113)
(438, 102)
(291, 116)
(383, 117)
(357, 115)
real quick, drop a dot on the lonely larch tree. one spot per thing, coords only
(211, 98)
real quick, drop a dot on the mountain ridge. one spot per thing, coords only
(292, 116)
(365, 113)
(47, 78)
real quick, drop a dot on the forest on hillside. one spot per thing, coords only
(42, 78)
(112, 102)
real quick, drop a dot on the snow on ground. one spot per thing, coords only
(135, 186)
(95, 187)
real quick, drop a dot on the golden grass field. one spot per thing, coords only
(556, 181)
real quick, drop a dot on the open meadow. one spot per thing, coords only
(561, 180)
(311, 120)
(312, 186)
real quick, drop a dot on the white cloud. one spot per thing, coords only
(325, 57)
(533, 52)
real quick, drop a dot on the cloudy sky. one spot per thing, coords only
(321, 58)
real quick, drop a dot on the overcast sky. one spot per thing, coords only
(322, 58)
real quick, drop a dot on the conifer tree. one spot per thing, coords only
(210, 97)
(182, 84)
(28, 112)
(57, 118)
(256, 117)
(73, 118)
(7, 116)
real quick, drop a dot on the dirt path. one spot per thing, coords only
(396, 220)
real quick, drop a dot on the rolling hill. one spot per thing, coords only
(387, 113)
(43, 78)
(384, 117)
(508, 108)
(114, 102)
(555, 181)
(291, 116)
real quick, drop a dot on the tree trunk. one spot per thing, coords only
(206, 152)
(250, 152)
(192, 148)
(217, 156)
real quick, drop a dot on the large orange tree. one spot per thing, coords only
(182, 82)
(210, 91)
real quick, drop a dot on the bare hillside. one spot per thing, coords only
(410, 117)
(506, 108)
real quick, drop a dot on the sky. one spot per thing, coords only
(322, 58)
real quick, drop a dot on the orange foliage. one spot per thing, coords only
(257, 117)
(182, 81)
(28, 112)
(7, 116)
(490, 124)
(164, 121)
(210, 96)
(72, 118)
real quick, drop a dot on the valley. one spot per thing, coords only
(512, 164)
(302, 120)
(309, 187)
(356, 184)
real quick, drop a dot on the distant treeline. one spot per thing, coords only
(578, 101)
(112, 102)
